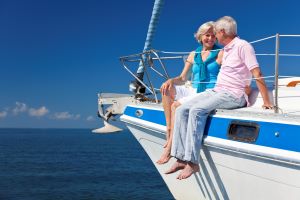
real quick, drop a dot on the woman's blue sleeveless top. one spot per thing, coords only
(209, 76)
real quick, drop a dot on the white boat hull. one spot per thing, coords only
(224, 173)
(259, 158)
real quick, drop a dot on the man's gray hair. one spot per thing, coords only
(228, 24)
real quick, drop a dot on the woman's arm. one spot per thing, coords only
(166, 86)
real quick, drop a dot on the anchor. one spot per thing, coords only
(117, 104)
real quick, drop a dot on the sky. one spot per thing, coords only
(57, 55)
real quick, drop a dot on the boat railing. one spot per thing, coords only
(276, 63)
(148, 59)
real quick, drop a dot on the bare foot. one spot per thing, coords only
(189, 169)
(165, 157)
(178, 165)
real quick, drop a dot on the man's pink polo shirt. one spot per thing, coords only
(238, 59)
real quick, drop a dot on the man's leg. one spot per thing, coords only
(198, 114)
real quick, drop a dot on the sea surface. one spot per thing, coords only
(42, 164)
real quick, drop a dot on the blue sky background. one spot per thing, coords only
(56, 55)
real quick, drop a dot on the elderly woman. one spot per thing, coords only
(205, 63)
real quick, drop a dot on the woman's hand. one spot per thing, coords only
(166, 87)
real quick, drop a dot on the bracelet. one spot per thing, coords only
(189, 61)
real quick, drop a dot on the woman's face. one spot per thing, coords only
(208, 39)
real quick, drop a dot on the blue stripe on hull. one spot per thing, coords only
(154, 116)
(288, 138)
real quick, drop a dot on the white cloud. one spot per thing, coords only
(38, 112)
(90, 118)
(66, 115)
(3, 114)
(20, 107)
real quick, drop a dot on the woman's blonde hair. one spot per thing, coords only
(203, 29)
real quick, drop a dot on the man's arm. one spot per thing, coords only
(262, 88)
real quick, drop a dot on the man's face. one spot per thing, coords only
(219, 36)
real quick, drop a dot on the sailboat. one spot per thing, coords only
(248, 153)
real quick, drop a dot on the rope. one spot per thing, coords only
(262, 39)
(259, 40)
(281, 54)
(153, 23)
(170, 52)
(289, 35)
(252, 79)
(258, 54)
(158, 4)
(264, 77)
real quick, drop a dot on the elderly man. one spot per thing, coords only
(238, 65)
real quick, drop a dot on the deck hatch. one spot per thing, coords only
(243, 131)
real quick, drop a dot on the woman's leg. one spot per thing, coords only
(166, 155)
(167, 101)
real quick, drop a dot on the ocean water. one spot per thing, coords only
(42, 164)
